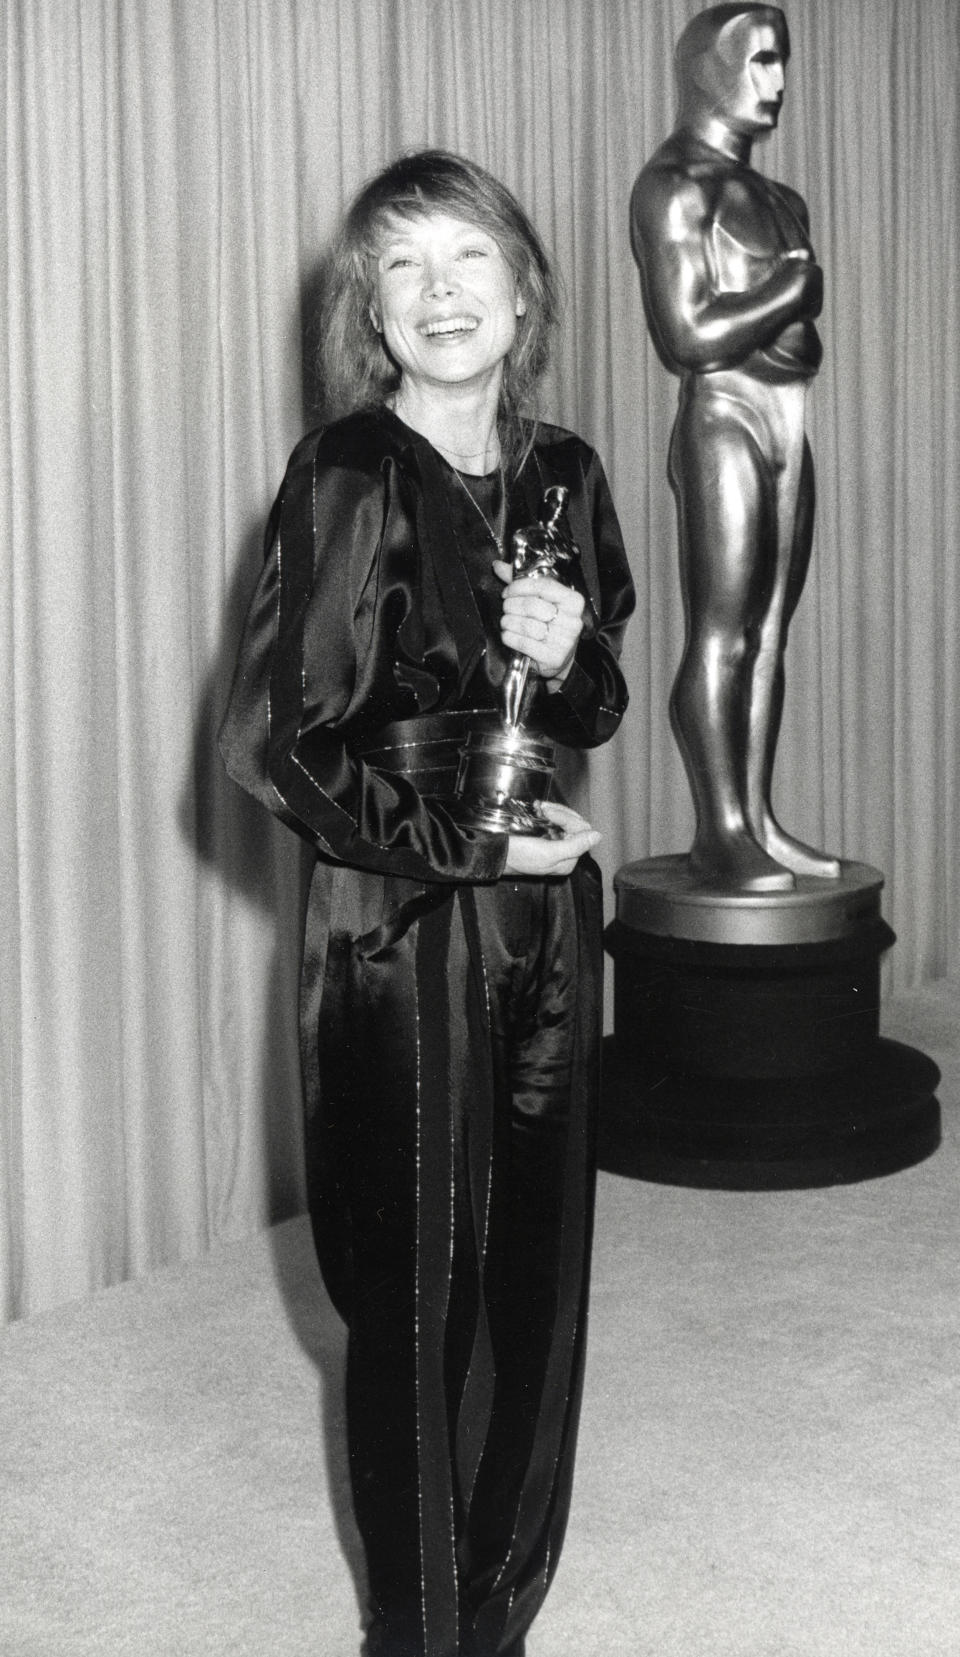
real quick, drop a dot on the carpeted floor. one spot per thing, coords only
(769, 1460)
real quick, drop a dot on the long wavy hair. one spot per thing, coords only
(356, 368)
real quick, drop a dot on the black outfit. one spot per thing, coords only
(450, 1018)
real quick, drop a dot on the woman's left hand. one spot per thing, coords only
(543, 619)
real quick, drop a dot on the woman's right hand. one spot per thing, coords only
(540, 858)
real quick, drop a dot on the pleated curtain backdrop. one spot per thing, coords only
(171, 175)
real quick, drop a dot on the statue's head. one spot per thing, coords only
(730, 65)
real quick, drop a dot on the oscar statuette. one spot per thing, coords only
(506, 774)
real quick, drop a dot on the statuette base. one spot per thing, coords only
(503, 780)
(746, 1052)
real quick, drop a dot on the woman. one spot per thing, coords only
(450, 992)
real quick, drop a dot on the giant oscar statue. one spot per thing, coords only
(747, 971)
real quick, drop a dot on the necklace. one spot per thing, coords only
(477, 454)
(493, 447)
(496, 538)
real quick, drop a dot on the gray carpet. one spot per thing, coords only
(769, 1461)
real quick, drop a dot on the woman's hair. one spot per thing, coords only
(356, 368)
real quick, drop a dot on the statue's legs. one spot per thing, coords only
(743, 476)
(793, 479)
(727, 509)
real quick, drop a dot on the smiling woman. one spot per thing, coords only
(447, 305)
(451, 993)
(408, 212)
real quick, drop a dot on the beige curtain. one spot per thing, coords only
(171, 172)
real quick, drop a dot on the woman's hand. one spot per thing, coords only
(529, 855)
(543, 619)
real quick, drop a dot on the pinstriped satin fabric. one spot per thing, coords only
(449, 1016)
(452, 1192)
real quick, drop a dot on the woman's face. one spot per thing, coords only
(446, 301)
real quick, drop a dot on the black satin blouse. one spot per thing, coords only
(372, 607)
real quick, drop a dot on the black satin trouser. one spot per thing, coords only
(451, 1153)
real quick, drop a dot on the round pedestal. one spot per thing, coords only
(746, 1049)
(662, 896)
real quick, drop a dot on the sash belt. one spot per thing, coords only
(426, 748)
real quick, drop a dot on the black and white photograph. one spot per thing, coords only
(480, 810)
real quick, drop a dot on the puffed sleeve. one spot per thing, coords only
(588, 707)
(313, 661)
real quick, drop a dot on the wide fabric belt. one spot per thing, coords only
(426, 748)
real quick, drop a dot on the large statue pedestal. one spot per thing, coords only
(746, 1050)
